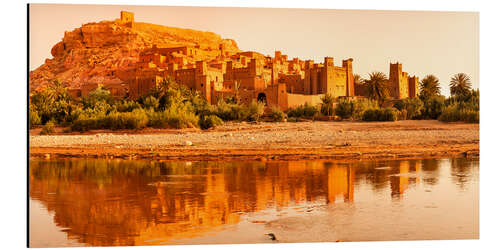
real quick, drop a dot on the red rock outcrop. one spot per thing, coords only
(106, 52)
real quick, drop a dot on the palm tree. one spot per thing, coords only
(429, 86)
(377, 86)
(358, 80)
(327, 104)
(56, 91)
(460, 84)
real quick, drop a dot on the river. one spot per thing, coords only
(97, 202)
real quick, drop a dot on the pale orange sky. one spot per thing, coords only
(439, 43)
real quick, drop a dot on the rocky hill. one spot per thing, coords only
(87, 54)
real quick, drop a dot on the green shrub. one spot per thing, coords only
(151, 102)
(384, 114)
(210, 121)
(371, 115)
(127, 106)
(52, 104)
(34, 118)
(136, 119)
(388, 114)
(230, 111)
(84, 122)
(469, 100)
(173, 118)
(433, 107)
(455, 112)
(48, 128)
(306, 110)
(354, 109)
(254, 111)
(412, 106)
(98, 97)
(277, 115)
(402, 114)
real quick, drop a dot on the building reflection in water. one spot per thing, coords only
(106, 203)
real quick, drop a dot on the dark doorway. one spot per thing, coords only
(261, 97)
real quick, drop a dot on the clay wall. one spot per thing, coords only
(413, 86)
(87, 88)
(142, 85)
(294, 83)
(117, 90)
(403, 86)
(294, 100)
(338, 84)
(186, 77)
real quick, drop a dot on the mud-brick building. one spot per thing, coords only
(202, 78)
(401, 85)
(248, 78)
(328, 78)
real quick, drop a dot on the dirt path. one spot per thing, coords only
(263, 141)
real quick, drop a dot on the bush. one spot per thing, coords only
(433, 107)
(173, 118)
(229, 111)
(388, 114)
(470, 100)
(402, 114)
(136, 119)
(210, 121)
(48, 128)
(277, 115)
(384, 114)
(127, 106)
(34, 118)
(254, 111)
(456, 113)
(97, 98)
(327, 103)
(307, 110)
(52, 104)
(151, 102)
(354, 109)
(411, 106)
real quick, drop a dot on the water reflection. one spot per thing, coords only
(117, 202)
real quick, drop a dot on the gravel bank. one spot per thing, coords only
(238, 138)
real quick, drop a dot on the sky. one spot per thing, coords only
(437, 42)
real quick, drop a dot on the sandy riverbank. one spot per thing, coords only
(264, 141)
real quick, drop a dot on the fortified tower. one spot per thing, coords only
(201, 68)
(347, 64)
(398, 81)
(327, 85)
(127, 18)
(413, 86)
(309, 64)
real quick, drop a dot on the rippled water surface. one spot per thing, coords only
(115, 202)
